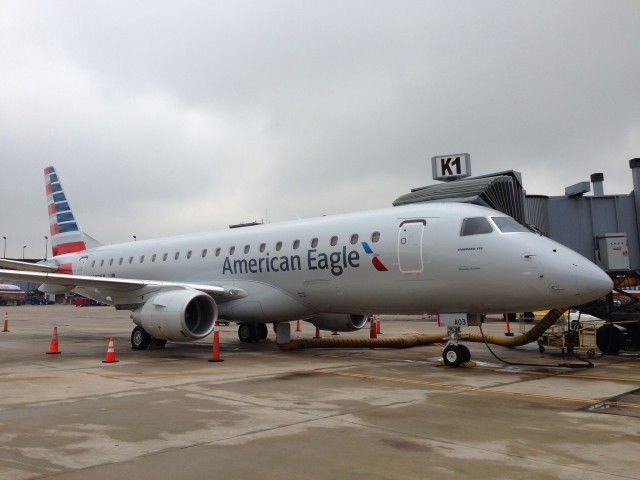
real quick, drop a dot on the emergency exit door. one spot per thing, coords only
(410, 245)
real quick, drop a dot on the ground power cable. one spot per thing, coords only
(587, 364)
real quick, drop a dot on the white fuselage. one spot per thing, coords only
(406, 260)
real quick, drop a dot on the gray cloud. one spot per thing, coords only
(172, 117)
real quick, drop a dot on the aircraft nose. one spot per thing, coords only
(593, 282)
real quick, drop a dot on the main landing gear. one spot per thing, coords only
(251, 332)
(455, 354)
(141, 340)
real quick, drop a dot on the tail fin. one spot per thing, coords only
(66, 236)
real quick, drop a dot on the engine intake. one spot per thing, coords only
(181, 315)
(339, 322)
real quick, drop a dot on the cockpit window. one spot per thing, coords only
(475, 226)
(509, 225)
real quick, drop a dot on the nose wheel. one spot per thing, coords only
(455, 354)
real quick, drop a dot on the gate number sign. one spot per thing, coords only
(451, 167)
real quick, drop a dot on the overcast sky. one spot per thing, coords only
(167, 117)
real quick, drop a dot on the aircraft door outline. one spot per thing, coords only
(81, 264)
(410, 245)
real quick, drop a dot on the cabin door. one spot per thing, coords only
(410, 245)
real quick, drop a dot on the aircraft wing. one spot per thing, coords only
(116, 284)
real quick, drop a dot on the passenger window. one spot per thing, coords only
(130, 260)
(354, 239)
(153, 257)
(475, 226)
(218, 252)
(278, 246)
(102, 262)
(375, 236)
(176, 255)
(509, 225)
(204, 253)
(232, 250)
(334, 241)
(189, 254)
(110, 261)
(120, 261)
(247, 248)
(296, 244)
(314, 242)
(164, 257)
(93, 264)
(262, 247)
(141, 258)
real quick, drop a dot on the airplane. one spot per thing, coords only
(11, 294)
(333, 271)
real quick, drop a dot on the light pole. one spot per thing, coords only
(46, 246)
(23, 251)
(5, 247)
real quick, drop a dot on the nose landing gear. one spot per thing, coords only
(455, 354)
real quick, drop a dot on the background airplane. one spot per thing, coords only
(11, 294)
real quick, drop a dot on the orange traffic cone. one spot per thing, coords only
(111, 353)
(298, 326)
(6, 322)
(373, 332)
(53, 345)
(317, 333)
(378, 327)
(216, 344)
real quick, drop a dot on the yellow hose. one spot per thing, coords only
(397, 342)
(531, 336)
(420, 340)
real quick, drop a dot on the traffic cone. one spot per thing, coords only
(216, 344)
(378, 326)
(111, 353)
(317, 333)
(6, 322)
(298, 326)
(53, 344)
(372, 330)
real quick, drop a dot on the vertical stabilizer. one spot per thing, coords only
(66, 236)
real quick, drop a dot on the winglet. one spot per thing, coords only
(66, 236)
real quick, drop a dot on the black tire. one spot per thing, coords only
(452, 356)
(262, 331)
(465, 353)
(609, 339)
(247, 332)
(540, 348)
(156, 342)
(140, 339)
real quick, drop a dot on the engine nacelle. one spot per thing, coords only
(180, 315)
(339, 322)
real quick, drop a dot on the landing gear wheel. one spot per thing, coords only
(591, 353)
(465, 353)
(452, 356)
(540, 348)
(156, 342)
(261, 331)
(247, 332)
(140, 339)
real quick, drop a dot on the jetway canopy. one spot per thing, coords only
(501, 191)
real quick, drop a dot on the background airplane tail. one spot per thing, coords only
(66, 235)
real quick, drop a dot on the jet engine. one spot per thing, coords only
(339, 322)
(180, 315)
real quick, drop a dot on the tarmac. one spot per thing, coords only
(305, 414)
